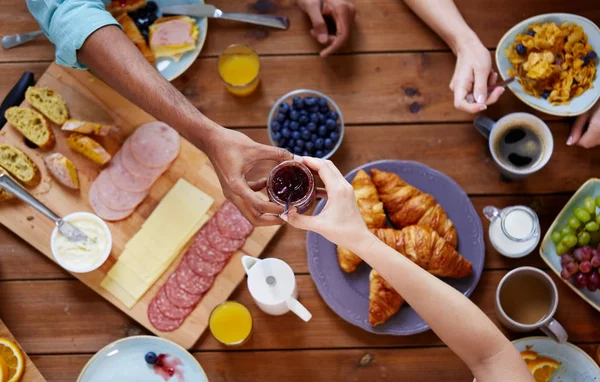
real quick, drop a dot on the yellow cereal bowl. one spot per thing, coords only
(578, 105)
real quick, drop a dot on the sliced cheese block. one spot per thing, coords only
(128, 279)
(117, 290)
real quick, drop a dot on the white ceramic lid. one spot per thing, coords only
(271, 281)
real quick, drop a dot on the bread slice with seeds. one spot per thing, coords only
(89, 148)
(49, 103)
(19, 165)
(32, 125)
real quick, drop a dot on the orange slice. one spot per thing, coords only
(13, 357)
(529, 355)
(3, 370)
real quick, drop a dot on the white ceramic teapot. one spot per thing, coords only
(272, 284)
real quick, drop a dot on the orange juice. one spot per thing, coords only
(239, 66)
(231, 323)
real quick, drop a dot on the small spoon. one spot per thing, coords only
(503, 84)
(289, 199)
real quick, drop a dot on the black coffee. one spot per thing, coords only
(519, 146)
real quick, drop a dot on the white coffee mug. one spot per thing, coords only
(547, 324)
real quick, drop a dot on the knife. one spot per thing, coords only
(207, 10)
(16, 95)
(9, 42)
(67, 229)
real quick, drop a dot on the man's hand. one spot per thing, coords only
(233, 155)
(342, 11)
(590, 137)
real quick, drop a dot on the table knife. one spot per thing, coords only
(67, 229)
(207, 10)
(9, 42)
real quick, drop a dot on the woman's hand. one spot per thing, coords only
(340, 221)
(473, 74)
(589, 137)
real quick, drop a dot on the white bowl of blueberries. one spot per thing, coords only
(306, 122)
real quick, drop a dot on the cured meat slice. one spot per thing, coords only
(220, 242)
(160, 321)
(155, 144)
(178, 296)
(191, 282)
(133, 166)
(203, 267)
(167, 308)
(102, 210)
(115, 198)
(232, 223)
(201, 247)
(126, 180)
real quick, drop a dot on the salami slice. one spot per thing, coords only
(160, 321)
(191, 282)
(220, 242)
(201, 247)
(125, 180)
(102, 210)
(155, 144)
(115, 198)
(232, 223)
(178, 296)
(137, 168)
(167, 308)
(203, 267)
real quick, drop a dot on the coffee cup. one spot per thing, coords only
(526, 300)
(521, 143)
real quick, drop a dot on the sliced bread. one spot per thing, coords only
(32, 125)
(89, 148)
(4, 195)
(85, 127)
(49, 103)
(19, 165)
(63, 170)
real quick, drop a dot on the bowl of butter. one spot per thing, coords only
(82, 257)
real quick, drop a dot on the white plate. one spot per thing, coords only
(578, 105)
(123, 360)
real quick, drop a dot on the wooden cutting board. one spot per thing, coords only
(31, 374)
(90, 99)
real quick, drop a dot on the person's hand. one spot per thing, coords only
(233, 154)
(340, 221)
(473, 74)
(589, 137)
(342, 11)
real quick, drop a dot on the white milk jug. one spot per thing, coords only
(272, 284)
(514, 231)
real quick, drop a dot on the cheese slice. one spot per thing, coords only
(128, 279)
(117, 290)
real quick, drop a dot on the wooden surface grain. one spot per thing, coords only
(391, 56)
(31, 372)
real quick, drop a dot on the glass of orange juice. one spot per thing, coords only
(230, 323)
(239, 66)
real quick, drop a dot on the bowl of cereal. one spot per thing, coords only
(555, 59)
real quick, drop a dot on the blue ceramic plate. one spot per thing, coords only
(548, 248)
(578, 105)
(348, 293)
(123, 360)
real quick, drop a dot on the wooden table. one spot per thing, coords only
(391, 83)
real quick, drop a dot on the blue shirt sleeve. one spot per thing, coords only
(68, 23)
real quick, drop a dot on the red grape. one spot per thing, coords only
(578, 254)
(572, 268)
(565, 274)
(580, 280)
(596, 261)
(566, 259)
(588, 253)
(585, 267)
(593, 281)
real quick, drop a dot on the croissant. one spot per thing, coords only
(371, 210)
(134, 34)
(407, 205)
(426, 248)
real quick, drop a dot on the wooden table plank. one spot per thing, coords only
(382, 25)
(31, 373)
(76, 320)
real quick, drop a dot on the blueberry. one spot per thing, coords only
(297, 150)
(294, 115)
(300, 143)
(284, 107)
(322, 101)
(309, 146)
(521, 50)
(333, 115)
(151, 6)
(275, 126)
(280, 117)
(545, 94)
(276, 136)
(305, 135)
(591, 55)
(282, 142)
(303, 120)
(328, 143)
(311, 126)
(295, 134)
(319, 154)
(322, 130)
(305, 153)
(319, 143)
(286, 124)
(313, 117)
(309, 102)
(298, 102)
(322, 118)
(314, 137)
(294, 125)
(150, 357)
(303, 112)
(531, 32)
(334, 136)
(286, 133)
(314, 109)
(324, 109)
(330, 124)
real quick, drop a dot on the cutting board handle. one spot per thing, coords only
(16, 95)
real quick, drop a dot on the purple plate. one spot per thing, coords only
(348, 293)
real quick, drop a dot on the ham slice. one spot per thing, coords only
(172, 33)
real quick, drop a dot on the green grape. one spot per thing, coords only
(582, 215)
(569, 241)
(556, 236)
(598, 201)
(566, 230)
(592, 227)
(589, 205)
(598, 219)
(583, 238)
(561, 249)
(574, 223)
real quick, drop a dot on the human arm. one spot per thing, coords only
(452, 316)
(473, 72)
(586, 129)
(343, 13)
